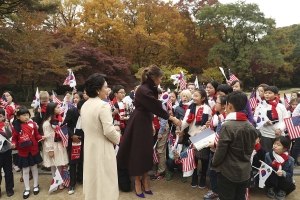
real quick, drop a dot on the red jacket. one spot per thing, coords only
(31, 130)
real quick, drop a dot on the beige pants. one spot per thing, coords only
(161, 150)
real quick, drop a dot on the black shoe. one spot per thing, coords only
(25, 196)
(36, 190)
(9, 193)
(194, 183)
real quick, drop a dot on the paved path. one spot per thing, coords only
(163, 190)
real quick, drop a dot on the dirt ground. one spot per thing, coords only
(162, 189)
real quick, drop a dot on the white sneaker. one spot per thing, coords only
(71, 190)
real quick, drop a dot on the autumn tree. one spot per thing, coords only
(30, 51)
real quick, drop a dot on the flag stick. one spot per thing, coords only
(268, 165)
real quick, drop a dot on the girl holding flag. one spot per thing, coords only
(25, 138)
(195, 118)
(53, 147)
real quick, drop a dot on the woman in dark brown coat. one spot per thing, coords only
(136, 149)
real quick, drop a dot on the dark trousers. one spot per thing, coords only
(267, 143)
(296, 149)
(213, 176)
(6, 164)
(76, 173)
(284, 184)
(228, 190)
(171, 165)
(204, 167)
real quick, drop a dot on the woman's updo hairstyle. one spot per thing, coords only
(152, 72)
(93, 83)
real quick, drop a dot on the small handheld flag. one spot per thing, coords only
(155, 156)
(65, 176)
(196, 83)
(232, 77)
(62, 131)
(70, 79)
(252, 100)
(36, 99)
(286, 102)
(293, 126)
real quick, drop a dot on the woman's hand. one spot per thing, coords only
(13, 146)
(51, 154)
(154, 131)
(177, 122)
(211, 144)
(159, 136)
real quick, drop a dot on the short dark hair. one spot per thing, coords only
(223, 99)
(286, 142)
(215, 84)
(12, 95)
(273, 89)
(136, 84)
(93, 83)
(80, 94)
(238, 99)
(2, 112)
(238, 81)
(225, 88)
(203, 93)
(80, 103)
(117, 88)
(68, 92)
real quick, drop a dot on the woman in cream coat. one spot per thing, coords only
(100, 180)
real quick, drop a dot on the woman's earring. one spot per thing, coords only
(97, 92)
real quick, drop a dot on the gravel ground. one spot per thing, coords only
(162, 190)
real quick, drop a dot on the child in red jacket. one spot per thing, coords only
(25, 139)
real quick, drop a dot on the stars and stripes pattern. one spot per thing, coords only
(293, 126)
(232, 77)
(62, 131)
(169, 104)
(182, 81)
(155, 156)
(286, 102)
(3, 102)
(65, 176)
(252, 100)
(56, 99)
(188, 160)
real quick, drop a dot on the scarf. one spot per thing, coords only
(185, 106)
(201, 116)
(2, 129)
(43, 108)
(279, 160)
(237, 116)
(256, 149)
(117, 118)
(274, 114)
(55, 122)
(25, 134)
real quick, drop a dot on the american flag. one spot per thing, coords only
(286, 102)
(155, 156)
(65, 176)
(232, 77)
(111, 103)
(55, 99)
(252, 100)
(169, 104)
(188, 160)
(3, 102)
(182, 81)
(216, 139)
(62, 131)
(293, 126)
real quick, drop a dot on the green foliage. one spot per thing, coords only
(212, 73)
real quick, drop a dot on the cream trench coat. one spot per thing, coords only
(100, 179)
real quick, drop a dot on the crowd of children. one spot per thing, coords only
(239, 144)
